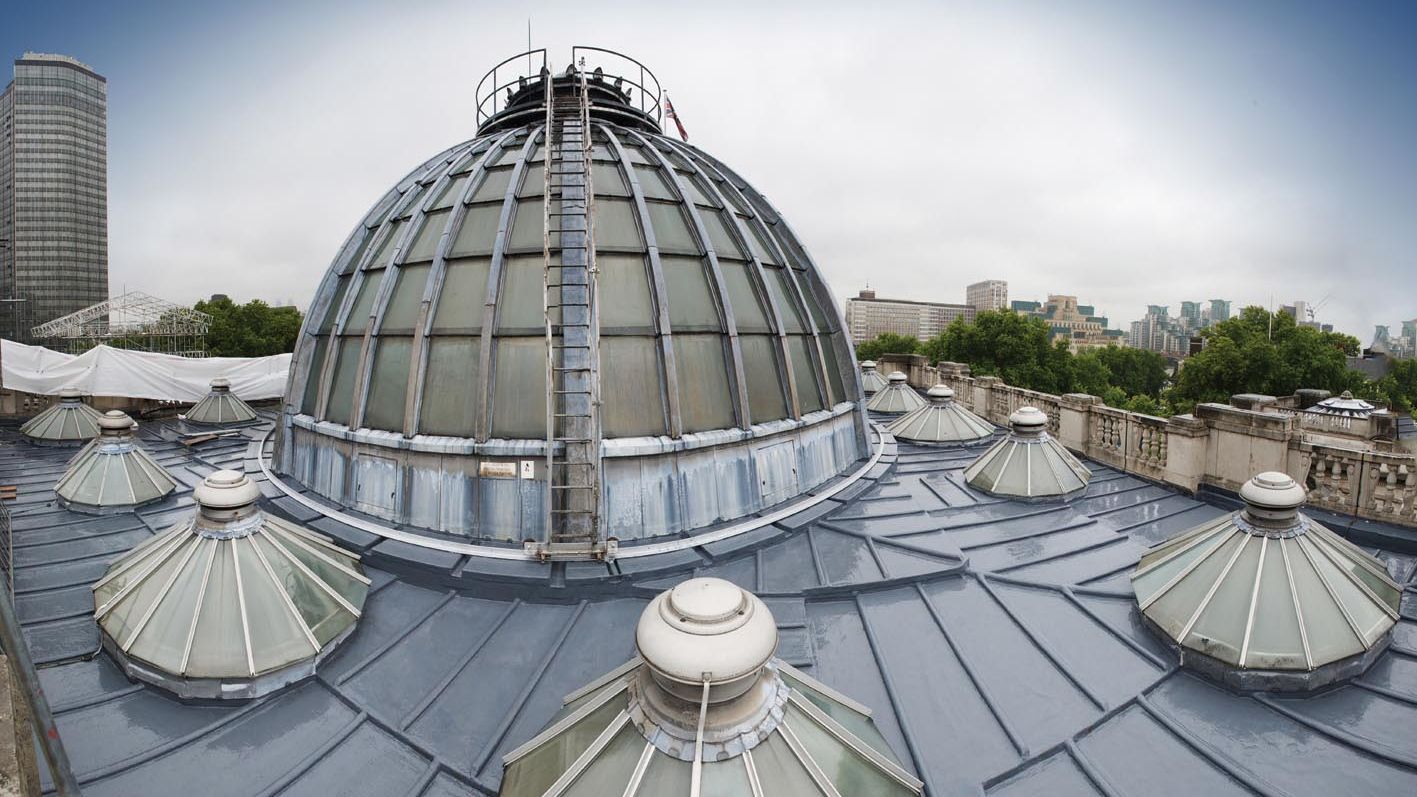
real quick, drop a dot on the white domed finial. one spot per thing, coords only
(896, 377)
(1028, 420)
(940, 393)
(1272, 499)
(706, 629)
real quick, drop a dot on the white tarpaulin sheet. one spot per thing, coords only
(106, 371)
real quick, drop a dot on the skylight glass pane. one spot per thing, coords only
(316, 607)
(748, 312)
(219, 647)
(520, 304)
(615, 225)
(478, 232)
(691, 304)
(723, 242)
(666, 775)
(1221, 627)
(451, 193)
(701, 369)
(838, 385)
(425, 244)
(624, 292)
(463, 297)
(277, 637)
(342, 389)
(358, 317)
(804, 371)
(760, 369)
(381, 255)
(528, 226)
(757, 243)
(849, 772)
(312, 380)
(630, 387)
(402, 311)
(607, 180)
(1278, 633)
(726, 779)
(388, 384)
(519, 396)
(860, 725)
(450, 387)
(610, 772)
(693, 186)
(671, 229)
(533, 774)
(819, 317)
(785, 297)
(163, 640)
(533, 181)
(780, 771)
(652, 183)
(332, 312)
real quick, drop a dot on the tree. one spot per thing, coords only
(1137, 372)
(1013, 347)
(887, 343)
(254, 329)
(1399, 387)
(1262, 352)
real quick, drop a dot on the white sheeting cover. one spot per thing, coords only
(106, 371)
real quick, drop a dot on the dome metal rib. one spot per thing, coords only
(897, 397)
(1028, 464)
(941, 421)
(113, 472)
(69, 421)
(1266, 597)
(229, 602)
(220, 407)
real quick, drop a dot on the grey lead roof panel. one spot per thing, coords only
(996, 642)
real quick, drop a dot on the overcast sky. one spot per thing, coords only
(1128, 153)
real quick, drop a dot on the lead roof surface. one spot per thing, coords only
(997, 643)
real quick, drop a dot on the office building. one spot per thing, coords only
(868, 316)
(987, 295)
(1079, 324)
(53, 192)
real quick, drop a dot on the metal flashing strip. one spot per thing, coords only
(520, 554)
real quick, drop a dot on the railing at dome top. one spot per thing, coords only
(492, 93)
(613, 66)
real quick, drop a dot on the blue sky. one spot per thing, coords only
(1129, 153)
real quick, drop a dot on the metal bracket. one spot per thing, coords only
(597, 551)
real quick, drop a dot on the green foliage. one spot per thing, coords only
(1137, 372)
(887, 343)
(1002, 343)
(254, 329)
(1262, 352)
(1399, 387)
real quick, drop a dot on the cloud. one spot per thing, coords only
(917, 147)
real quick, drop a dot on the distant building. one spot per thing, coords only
(987, 295)
(1219, 310)
(53, 192)
(1161, 333)
(1191, 316)
(1079, 324)
(868, 316)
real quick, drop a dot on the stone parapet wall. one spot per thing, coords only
(1219, 444)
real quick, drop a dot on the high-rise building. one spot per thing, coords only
(868, 317)
(1219, 310)
(987, 295)
(1159, 332)
(1191, 315)
(53, 192)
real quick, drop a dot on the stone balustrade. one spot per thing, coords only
(1347, 467)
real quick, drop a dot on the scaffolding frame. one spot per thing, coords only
(133, 320)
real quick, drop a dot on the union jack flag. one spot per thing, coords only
(669, 111)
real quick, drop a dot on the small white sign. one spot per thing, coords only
(497, 470)
(528, 469)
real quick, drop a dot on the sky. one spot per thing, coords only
(1127, 153)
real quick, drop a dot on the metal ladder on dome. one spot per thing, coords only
(572, 356)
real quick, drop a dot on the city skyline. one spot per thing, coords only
(1151, 181)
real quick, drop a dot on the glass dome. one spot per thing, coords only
(896, 397)
(1028, 464)
(71, 421)
(941, 421)
(418, 388)
(113, 472)
(220, 407)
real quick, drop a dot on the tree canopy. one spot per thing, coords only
(887, 343)
(1262, 352)
(254, 329)
(1016, 348)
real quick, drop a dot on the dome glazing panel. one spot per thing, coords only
(1267, 597)
(220, 407)
(69, 421)
(113, 472)
(897, 397)
(941, 421)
